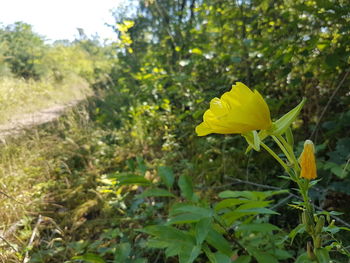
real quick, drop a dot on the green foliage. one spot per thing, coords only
(134, 184)
(23, 50)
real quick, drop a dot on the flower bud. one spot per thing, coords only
(307, 161)
(318, 241)
(319, 225)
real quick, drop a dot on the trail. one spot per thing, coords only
(21, 122)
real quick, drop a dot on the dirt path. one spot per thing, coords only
(24, 121)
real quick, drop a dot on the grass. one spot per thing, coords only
(20, 96)
(30, 167)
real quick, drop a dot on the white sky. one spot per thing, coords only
(59, 19)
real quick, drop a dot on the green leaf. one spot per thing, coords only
(298, 230)
(156, 192)
(282, 124)
(322, 255)
(258, 227)
(141, 166)
(189, 254)
(156, 243)
(303, 258)
(210, 255)
(289, 136)
(122, 253)
(221, 258)
(243, 259)
(229, 203)
(252, 195)
(253, 205)
(173, 250)
(219, 242)
(264, 257)
(200, 211)
(253, 140)
(184, 219)
(202, 229)
(90, 258)
(186, 187)
(332, 60)
(167, 175)
(169, 234)
(129, 179)
(261, 135)
(258, 210)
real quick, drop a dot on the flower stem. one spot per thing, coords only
(274, 155)
(284, 149)
(289, 148)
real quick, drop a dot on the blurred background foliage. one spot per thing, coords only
(152, 87)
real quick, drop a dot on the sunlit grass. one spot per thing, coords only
(19, 96)
(28, 166)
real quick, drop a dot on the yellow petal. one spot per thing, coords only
(218, 107)
(238, 111)
(203, 129)
(307, 161)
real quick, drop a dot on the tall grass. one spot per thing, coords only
(19, 96)
(29, 166)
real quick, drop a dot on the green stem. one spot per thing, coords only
(289, 148)
(274, 155)
(284, 149)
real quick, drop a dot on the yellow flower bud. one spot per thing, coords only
(307, 161)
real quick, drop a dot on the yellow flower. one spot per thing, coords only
(238, 111)
(307, 161)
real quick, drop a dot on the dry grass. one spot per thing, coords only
(19, 96)
(28, 165)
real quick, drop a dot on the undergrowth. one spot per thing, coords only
(20, 96)
(61, 200)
